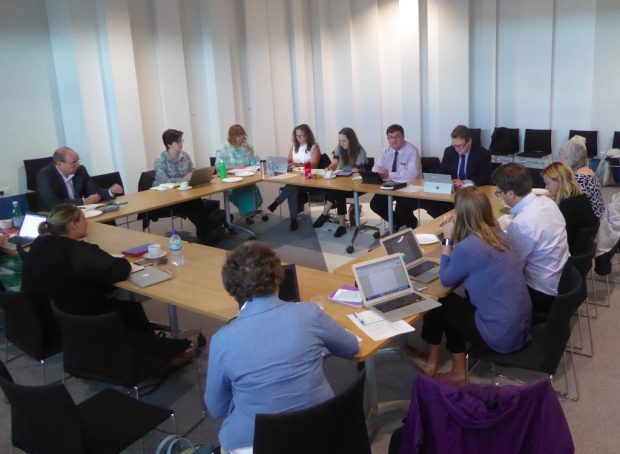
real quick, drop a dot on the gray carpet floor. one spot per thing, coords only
(592, 419)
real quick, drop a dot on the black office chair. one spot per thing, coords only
(581, 259)
(431, 164)
(335, 426)
(591, 140)
(30, 325)
(102, 348)
(475, 136)
(536, 143)
(32, 167)
(549, 339)
(45, 420)
(614, 163)
(145, 183)
(105, 180)
(504, 141)
(212, 161)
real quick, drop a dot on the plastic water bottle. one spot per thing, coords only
(176, 250)
(17, 215)
(270, 168)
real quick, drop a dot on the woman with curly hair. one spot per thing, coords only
(270, 358)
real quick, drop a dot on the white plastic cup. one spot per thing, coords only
(154, 249)
(329, 174)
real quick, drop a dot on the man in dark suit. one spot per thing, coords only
(65, 180)
(468, 165)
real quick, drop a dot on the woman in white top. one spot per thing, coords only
(304, 149)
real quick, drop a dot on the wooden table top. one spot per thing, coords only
(198, 287)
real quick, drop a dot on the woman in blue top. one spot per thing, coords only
(270, 358)
(349, 156)
(497, 312)
(237, 153)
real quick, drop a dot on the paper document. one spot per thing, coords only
(376, 327)
(349, 296)
(411, 188)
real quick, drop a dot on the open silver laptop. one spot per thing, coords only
(27, 232)
(201, 176)
(280, 164)
(419, 268)
(150, 275)
(387, 290)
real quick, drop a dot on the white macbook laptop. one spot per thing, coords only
(150, 275)
(419, 268)
(387, 290)
(201, 176)
(27, 232)
(438, 183)
(280, 164)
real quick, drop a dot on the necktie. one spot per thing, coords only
(461, 171)
(395, 161)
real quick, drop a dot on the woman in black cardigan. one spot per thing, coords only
(78, 276)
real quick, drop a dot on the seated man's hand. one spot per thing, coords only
(93, 198)
(117, 189)
(458, 184)
(383, 173)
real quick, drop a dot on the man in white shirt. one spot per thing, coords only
(537, 232)
(399, 160)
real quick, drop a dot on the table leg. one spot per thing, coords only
(231, 225)
(173, 321)
(390, 202)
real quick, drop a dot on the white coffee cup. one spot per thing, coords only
(329, 174)
(6, 223)
(154, 250)
(184, 185)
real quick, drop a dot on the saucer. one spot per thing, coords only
(92, 213)
(329, 178)
(245, 173)
(153, 257)
(186, 189)
(426, 238)
(232, 179)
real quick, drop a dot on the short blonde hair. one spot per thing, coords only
(568, 186)
(59, 218)
(234, 131)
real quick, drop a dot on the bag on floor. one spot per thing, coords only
(173, 444)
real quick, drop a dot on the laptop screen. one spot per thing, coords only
(380, 278)
(405, 244)
(30, 226)
(289, 289)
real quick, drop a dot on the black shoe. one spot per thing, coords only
(340, 231)
(273, 207)
(322, 219)
(294, 225)
(249, 220)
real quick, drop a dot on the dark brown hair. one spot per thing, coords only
(310, 141)
(170, 136)
(251, 270)
(349, 156)
(513, 177)
(461, 131)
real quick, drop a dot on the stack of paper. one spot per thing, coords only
(378, 328)
(347, 294)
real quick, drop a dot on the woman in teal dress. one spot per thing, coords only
(236, 153)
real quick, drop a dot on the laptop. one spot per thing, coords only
(201, 176)
(150, 275)
(438, 183)
(387, 290)
(27, 232)
(279, 164)
(419, 268)
(369, 177)
(289, 288)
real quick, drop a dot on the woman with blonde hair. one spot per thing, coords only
(236, 153)
(573, 203)
(497, 310)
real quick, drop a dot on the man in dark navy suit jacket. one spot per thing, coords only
(65, 180)
(468, 164)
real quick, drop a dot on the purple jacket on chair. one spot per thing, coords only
(444, 417)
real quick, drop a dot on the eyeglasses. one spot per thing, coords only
(499, 192)
(459, 145)
(72, 163)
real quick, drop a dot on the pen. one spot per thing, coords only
(358, 318)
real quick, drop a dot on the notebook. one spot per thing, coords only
(387, 290)
(201, 176)
(369, 177)
(150, 275)
(27, 232)
(279, 164)
(419, 268)
(289, 288)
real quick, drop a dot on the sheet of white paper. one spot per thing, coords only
(411, 188)
(350, 296)
(379, 328)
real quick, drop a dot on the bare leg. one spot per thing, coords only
(457, 373)
(426, 362)
(328, 206)
(343, 219)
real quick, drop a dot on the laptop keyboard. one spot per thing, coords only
(397, 303)
(421, 267)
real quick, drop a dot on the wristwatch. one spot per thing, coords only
(447, 242)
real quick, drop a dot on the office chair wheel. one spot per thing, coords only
(350, 249)
(265, 217)
(376, 235)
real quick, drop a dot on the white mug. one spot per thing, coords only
(6, 223)
(184, 185)
(154, 249)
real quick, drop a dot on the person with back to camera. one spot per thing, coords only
(574, 154)
(304, 149)
(250, 369)
(78, 276)
(349, 155)
(174, 166)
(398, 160)
(574, 205)
(238, 153)
(497, 311)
